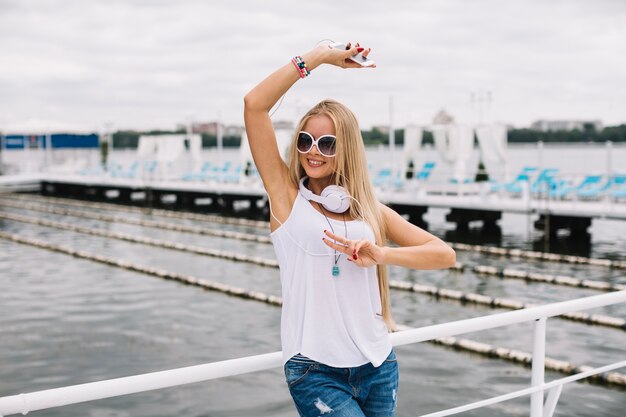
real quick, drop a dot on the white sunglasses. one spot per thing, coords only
(325, 144)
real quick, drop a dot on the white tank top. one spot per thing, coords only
(334, 320)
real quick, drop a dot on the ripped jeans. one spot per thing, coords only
(318, 389)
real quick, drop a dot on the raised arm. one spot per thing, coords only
(261, 136)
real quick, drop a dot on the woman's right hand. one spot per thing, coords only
(328, 55)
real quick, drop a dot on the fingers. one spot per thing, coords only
(352, 50)
(339, 247)
(358, 247)
(341, 244)
(343, 58)
(352, 252)
(350, 53)
(350, 248)
(335, 237)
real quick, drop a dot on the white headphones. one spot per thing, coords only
(333, 198)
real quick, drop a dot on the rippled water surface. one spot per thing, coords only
(67, 321)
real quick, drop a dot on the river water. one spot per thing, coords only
(67, 321)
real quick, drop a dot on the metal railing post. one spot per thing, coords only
(551, 400)
(538, 366)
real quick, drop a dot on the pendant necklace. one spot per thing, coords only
(336, 257)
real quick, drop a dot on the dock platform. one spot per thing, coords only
(466, 204)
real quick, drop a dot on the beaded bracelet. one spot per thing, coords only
(300, 66)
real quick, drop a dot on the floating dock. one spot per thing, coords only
(467, 203)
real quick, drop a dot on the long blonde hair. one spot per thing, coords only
(351, 173)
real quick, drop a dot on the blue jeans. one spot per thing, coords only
(319, 389)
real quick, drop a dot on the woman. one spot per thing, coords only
(330, 244)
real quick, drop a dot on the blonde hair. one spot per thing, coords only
(351, 173)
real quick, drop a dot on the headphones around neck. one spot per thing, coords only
(333, 198)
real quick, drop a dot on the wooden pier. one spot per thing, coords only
(466, 204)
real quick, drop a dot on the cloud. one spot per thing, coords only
(150, 64)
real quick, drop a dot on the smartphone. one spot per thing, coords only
(358, 58)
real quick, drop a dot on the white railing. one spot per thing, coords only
(24, 403)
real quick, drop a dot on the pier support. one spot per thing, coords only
(551, 224)
(255, 209)
(126, 195)
(462, 218)
(230, 204)
(414, 213)
(94, 193)
(186, 201)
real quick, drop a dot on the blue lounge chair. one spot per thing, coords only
(562, 190)
(221, 172)
(233, 175)
(196, 176)
(399, 180)
(216, 172)
(546, 181)
(92, 171)
(597, 190)
(113, 168)
(382, 178)
(118, 172)
(425, 172)
(515, 186)
(385, 176)
(618, 188)
(150, 167)
(465, 181)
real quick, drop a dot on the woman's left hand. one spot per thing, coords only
(362, 252)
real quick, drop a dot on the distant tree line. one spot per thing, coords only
(125, 139)
(589, 134)
(130, 138)
(376, 137)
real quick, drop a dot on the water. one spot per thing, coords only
(68, 321)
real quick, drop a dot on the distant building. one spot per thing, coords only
(556, 125)
(210, 128)
(384, 129)
(207, 128)
(283, 125)
(233, 130)
(443, 118)
(54, 140)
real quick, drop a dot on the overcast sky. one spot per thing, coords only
(152, 64)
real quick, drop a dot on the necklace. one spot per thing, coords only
(336, 257)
